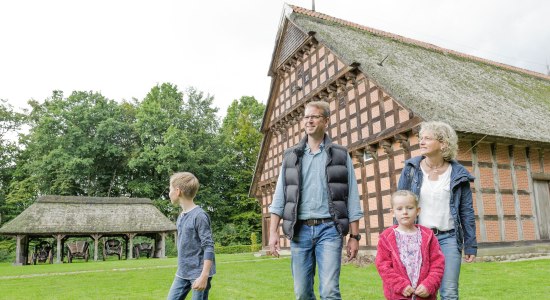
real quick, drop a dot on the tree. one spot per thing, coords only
(10, 122)
(77, 145)
(241, 137)
(174, 134)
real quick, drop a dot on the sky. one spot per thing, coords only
(123, 48)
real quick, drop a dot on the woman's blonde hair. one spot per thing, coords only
(445, 134)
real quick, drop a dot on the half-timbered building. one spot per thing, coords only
(380, 87)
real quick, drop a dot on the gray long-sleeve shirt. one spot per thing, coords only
(195, 244)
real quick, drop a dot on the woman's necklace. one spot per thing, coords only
(433, 171)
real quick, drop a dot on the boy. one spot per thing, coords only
(196, 264)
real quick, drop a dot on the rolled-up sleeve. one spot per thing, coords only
(205, 235)
(354, 204)
(278, 202)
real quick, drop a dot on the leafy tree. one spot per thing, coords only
(86, 144)
(75, 146)
(241, 138)
(10, 122)
(174, 134)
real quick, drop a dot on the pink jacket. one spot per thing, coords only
(393, 272)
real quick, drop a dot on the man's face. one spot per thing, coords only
(315, 123)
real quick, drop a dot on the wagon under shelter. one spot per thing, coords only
(98, 218)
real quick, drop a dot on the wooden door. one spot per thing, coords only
(542, 205)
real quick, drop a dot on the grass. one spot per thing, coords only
(243, 276)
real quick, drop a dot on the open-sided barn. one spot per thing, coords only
(63, 217)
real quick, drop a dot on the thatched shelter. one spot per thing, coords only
(63, 217)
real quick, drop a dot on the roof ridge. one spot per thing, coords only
(307, 12)
(91, 200)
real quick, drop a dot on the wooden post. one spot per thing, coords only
(479, 194)
(59, 237)
(160, 245)
(163, 242)
(528, 152)
(130, 245)
(517, 205)
(359, 155)
(96, 238)
(498, 195)
(19, 258)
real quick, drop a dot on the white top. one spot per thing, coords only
(435, 199)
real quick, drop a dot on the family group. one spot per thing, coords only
(317, 199)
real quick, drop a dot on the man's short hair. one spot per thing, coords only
(186, 182)
(322, 105)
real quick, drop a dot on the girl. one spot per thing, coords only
(409, 258)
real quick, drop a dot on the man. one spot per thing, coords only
(317, 198)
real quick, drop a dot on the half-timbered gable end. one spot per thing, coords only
(380, 87)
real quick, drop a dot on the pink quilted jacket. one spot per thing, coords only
(393, 272)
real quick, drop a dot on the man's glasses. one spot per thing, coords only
(313, 117)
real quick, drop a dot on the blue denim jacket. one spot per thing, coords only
(462, 208)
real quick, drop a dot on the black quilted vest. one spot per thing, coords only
(337, 183)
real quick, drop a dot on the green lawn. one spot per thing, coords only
(243, 276)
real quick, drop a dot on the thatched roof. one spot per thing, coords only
(471, 94)
(87, 215)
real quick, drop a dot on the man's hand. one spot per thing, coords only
(352, 247)
(274, 244)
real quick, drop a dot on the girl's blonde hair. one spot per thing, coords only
(404, 193)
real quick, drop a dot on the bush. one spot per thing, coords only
(254, 246)
(7, 250)
(233, 249)
(171, 249)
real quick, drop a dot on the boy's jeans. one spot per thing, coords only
(321, 245)
(181, 287)
(453, 259)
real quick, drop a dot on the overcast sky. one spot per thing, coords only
(122, 48)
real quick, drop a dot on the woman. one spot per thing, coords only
(443, 186)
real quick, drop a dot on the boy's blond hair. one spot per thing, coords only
(404, 193)
(186, 182)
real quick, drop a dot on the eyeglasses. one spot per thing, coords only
(313, 117)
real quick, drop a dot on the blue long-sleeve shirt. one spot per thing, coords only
(195, 244)
(314, 193)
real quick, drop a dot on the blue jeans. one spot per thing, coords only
(181, 287)
(453, 259)
(319, 245)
